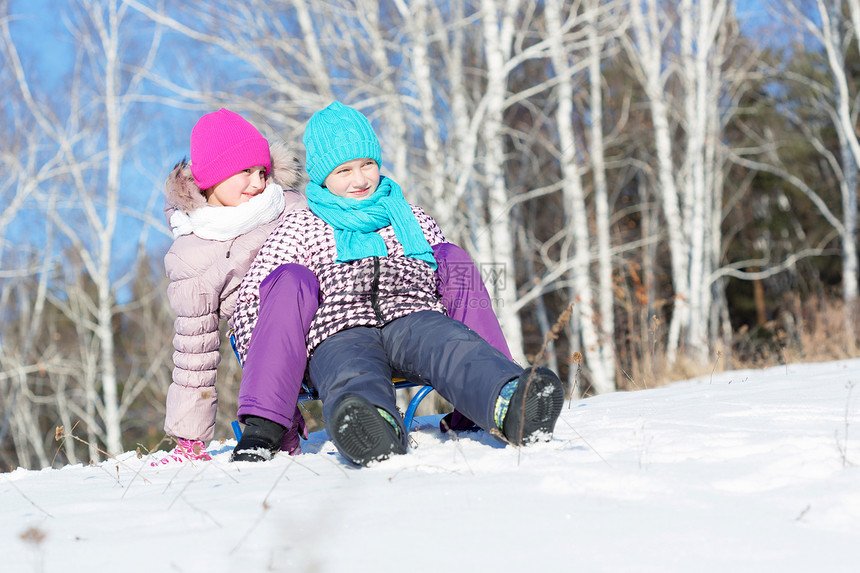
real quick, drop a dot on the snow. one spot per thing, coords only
(740, 471)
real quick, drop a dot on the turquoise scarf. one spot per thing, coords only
(356, 221)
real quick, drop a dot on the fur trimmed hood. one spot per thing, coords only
(182, 193)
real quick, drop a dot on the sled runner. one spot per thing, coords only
(309, 393)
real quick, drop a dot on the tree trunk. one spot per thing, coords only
(648, 59)
(495, 242)
(576, 213)
(606, 316)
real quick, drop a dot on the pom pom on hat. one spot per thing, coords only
(337, 134)
(223, 144)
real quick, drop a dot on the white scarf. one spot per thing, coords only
(225, 223)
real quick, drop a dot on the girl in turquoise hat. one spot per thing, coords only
(379, 311)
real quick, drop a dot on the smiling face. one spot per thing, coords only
(238, 188)
(356, 179)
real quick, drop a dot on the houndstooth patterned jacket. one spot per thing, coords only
(367, 292)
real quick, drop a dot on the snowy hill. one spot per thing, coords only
(742, 471)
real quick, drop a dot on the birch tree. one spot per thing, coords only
(689, 188)
(417, 19)
(703, 46)
(836, 34)
(606, 327)
(495, 242)
(25, 270)
(26, 164)
(602, 373)
(646, 54)
(84, 206)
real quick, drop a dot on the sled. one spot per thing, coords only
(309, 393)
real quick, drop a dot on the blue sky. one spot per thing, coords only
(41, 35)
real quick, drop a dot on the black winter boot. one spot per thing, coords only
(361, 434)
(533, 419)
(260, 441)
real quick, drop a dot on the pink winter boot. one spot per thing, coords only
(184, 451)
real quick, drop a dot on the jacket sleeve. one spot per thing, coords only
(431, 229)
(192, 401)
(285, 245)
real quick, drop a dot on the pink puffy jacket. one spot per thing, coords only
(204, 279)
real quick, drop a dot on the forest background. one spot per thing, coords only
(651, 189)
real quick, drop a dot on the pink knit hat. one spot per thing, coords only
(223, 144)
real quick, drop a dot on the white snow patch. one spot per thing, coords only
(743, 471)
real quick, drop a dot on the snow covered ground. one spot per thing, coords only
(754, 470)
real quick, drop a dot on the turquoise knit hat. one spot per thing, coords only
(336, 134)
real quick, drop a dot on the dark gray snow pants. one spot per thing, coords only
(426, 347)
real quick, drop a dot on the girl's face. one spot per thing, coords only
(356, 179)
(238, 188)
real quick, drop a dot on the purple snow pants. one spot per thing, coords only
(276, 360)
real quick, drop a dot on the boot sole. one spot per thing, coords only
(361, 434)
(536, 419)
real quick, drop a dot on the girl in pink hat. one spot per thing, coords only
(221, 206)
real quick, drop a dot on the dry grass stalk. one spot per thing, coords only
(577, 359)
(842, 445)
(33, 503)
(60, 434)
